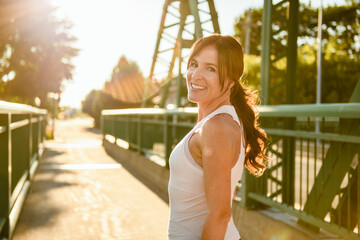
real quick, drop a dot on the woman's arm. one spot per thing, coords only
(219, 143)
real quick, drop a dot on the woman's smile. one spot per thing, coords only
(197, 87)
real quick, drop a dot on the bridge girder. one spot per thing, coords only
(175, 36)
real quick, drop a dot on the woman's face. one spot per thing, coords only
(202, 78)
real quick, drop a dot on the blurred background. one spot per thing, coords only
(63, 60)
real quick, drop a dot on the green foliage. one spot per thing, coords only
(35, 50)
(251, 75)
(341, 52)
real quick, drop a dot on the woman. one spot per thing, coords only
(208, 162)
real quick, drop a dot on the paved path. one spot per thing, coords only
(79, 192)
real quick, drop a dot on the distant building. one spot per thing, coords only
(127, 83)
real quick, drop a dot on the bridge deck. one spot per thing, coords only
(79, 192)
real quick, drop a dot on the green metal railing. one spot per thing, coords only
(149, 130)
(22, 131)
(313, 175)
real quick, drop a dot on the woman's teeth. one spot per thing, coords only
(197, 87)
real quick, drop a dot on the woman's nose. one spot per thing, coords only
(197, 74)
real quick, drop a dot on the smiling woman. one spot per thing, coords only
(208, 162)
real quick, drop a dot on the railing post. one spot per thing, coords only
(30, 150)
(115, 128)
(41, 133)
(102, 126)
(252, 184)
(167, 138)
(5, 175)
(288, 166)
(139, 128)
(127, 129)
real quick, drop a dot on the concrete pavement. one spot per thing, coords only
(79, 192)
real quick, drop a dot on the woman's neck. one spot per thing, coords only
(205, 109)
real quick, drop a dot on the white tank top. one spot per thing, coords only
(187, 200)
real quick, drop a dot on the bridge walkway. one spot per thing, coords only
(79, 192)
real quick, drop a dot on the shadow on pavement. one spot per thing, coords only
(149, 185)
(50, 153)
(37, 212)
(92, 130)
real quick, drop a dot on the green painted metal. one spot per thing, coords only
(291, 76)
(214, 16)
(5, 171)
(192, 111)
(167, 138)
(286, 21)
(345, 110)
(292, 25)
(265, 52)
(313, 135)
(157, 45)
(274, 39)
(193, 4)
(346, 213)
(333, 228)
(337, 164)
(22, 130)
(181, 11)
(358, 197)
(288, 166)
(2, 223)
(138, 132)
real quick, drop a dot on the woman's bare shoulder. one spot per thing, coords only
(221, 125)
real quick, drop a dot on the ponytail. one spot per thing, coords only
(244, 102)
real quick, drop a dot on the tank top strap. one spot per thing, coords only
(219, 110)
(228, 109)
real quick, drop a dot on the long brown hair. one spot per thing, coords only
(231, 66)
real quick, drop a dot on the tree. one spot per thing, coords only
(341, 51)
(35, 50)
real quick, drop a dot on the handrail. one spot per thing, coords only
(345, 110)
(151, 111)
(22, 131)
(16, 108)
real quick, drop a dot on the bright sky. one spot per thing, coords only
(108, 29)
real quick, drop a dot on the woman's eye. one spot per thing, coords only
(193, 64)
(211, 69)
